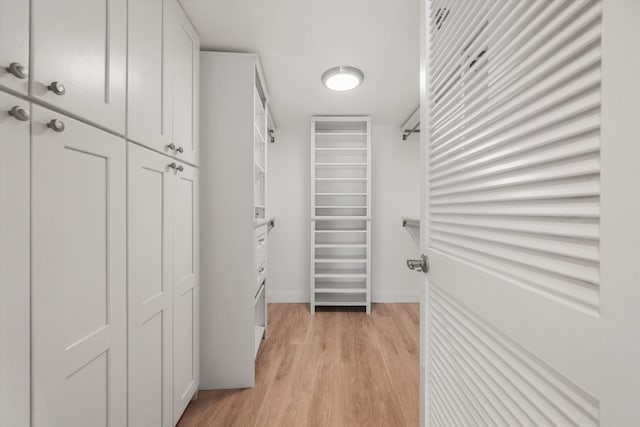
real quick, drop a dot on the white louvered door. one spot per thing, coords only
(531, 212)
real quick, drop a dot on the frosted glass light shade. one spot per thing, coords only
(342, 78)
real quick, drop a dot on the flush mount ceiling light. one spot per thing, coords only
(342, 78)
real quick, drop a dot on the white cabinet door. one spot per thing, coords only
(14, 262)
(186, 269)
(14, 45)
(81, 45)
(149, 104)
(150, 288)
(78, 297)
(186, 69)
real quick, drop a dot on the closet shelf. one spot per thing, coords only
(342, 179)
(340, 245)
(341, 164)
(340, 260)
(337, 274)
(340, 207)
(340, 133)
(340, 194)
(342, 231)
(340, 290)
(341, 149)
(341, 217)
(341, 299)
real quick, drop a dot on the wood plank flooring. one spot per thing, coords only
(337, 368)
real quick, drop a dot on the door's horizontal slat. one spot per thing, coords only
(570, 267)
(559, 227)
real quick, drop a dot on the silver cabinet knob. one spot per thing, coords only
(421, 264)
(261, 270)
(180, 150)
(57, 125)
(57, 88)
(172, 165)
(180, 168)
(171, 147)
(19, 113)
(18, 70)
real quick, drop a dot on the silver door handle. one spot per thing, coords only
(421, 264)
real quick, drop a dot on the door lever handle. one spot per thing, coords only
(421, 264)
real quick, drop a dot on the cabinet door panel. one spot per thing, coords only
(14, 264)
(186, 69)
(149, 108)
(78, 274)
(82, 45)
(186, 291)
(14, 43)
(150, 288)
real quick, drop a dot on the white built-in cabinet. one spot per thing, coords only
(14, 260)
(340, 232)
(78, 265)
(163, 286)
(99, 256)
(14, 45)
(234, 222)
(149, 90)
(163, 55)
(78, 51)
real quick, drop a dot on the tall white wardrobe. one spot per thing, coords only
(99, 255)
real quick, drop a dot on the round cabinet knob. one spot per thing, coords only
(180, 150)
(57, 125)
(19, 113)
(18, 70)
(171, 147)
(180, 168)
(57, 88)
(172, 165)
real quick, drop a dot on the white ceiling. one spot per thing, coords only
(297, 40)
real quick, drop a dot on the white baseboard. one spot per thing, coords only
(298, 296)
(382, 296)
(389, 296)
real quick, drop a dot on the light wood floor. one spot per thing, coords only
(338, 368)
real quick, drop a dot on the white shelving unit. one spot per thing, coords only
(235, 133)
(341, 212)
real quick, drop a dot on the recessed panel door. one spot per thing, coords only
(186, 287)
(14, 45)
(150, 293)
(78, 256)
(78, 49)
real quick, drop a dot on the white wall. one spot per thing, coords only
(395, 181)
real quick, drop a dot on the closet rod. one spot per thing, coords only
(407, 132)
(411, 222)
(411, 125)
